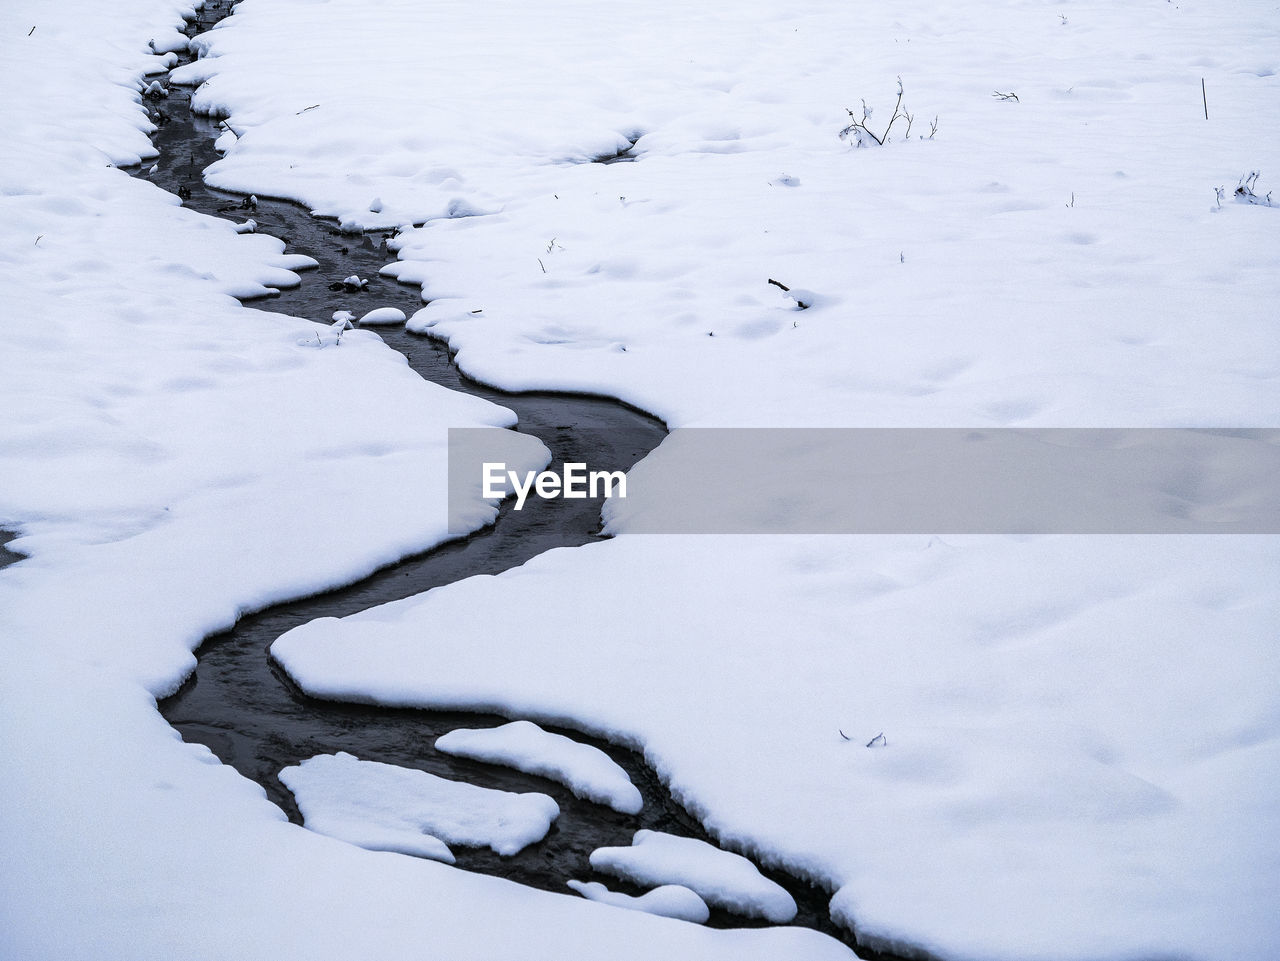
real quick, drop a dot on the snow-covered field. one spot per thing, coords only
(1081, 735)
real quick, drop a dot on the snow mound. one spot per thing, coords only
(669, 900)
(587, 771)
(721, 878)
(384, 807)
(384, 316)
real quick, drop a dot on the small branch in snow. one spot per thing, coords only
(843, 735)
(1203, 96)
(305, 109)
(878, 739)
(542, 265)
(796, 295)
(37, 243)
(1246, 191)
(342, 321)
(31, 31)
(1006, 96)
(859, 129)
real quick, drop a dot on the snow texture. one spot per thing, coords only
(668, 901)
(1083, 733)
(721, 878)
(383, 316)
(162, 460)
(1096, 744)
(587, 771)
(385, 807)
(1058, 260)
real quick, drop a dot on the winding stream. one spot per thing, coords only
(241, 705)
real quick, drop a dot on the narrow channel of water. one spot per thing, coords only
(241, 705)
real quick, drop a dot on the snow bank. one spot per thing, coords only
(721, 878)
(383, 316)
(587, 771)
(385, 807)
(669, 900)
(1056, 259)
(1081, 730)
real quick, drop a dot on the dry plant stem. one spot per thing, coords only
(859, 124)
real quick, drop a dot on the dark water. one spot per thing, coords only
(7, 556)
(241, 704)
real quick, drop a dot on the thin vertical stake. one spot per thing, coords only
(1205, 98)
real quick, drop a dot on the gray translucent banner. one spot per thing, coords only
(916, 481)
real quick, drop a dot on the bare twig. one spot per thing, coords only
(778, 283)
(1246, 190)
(879, 738)
(858, 128)
(1205, 97)
(1006, 96)
(845, 736)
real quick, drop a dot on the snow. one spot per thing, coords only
(1052, 260)
(1095, 744)
(385, 807)
(669, 900)
(721, 878)
(383, 315)
(1083, 734)
(160, 457)
(587, 771)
